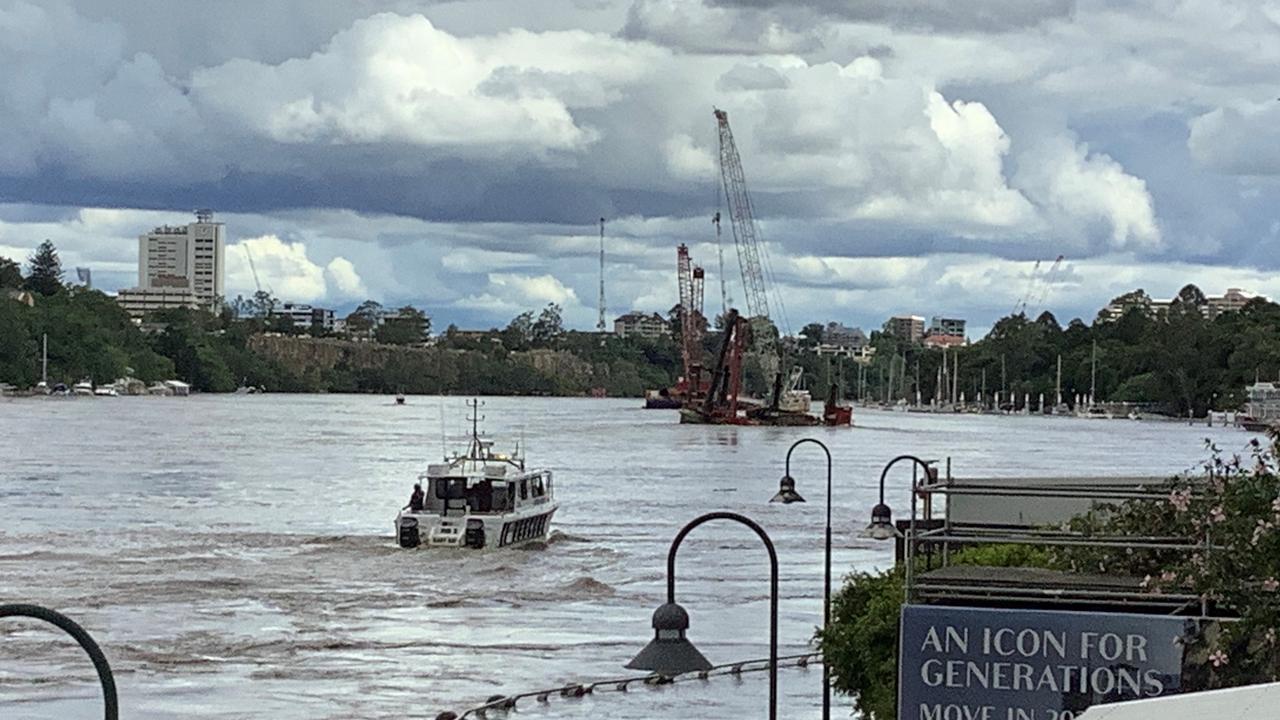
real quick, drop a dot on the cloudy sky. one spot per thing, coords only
(903, 155)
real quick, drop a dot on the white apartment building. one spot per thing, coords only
(185, 257)
(638, 324)
(139, 302)
(306, 316)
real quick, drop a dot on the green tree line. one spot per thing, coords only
(91, 337)
(1178, 360)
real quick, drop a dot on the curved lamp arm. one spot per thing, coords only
(720, 515)
(773, 588)
(912, 458)
(105, 678)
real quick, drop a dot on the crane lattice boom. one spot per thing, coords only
(691, 280)
(745, 234)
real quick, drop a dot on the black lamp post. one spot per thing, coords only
(106, 679)
(787, 494)
(670, 653)
(881, 527)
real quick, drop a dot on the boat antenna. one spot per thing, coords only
(475, 419)
(444, 435)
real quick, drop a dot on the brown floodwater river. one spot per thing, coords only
(234, 555)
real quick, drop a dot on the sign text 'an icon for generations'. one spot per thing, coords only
(979, 664)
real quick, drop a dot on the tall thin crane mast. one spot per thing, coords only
(600, 321)
(691, 279)
(724, 285)
(1046, 282)
(249, 256)
(1021, 305)
(742, 219)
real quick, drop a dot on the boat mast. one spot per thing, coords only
(1093, 374)
(1058, 400)
(44, 361)
(475, 406)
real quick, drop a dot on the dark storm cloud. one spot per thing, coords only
(942, 15)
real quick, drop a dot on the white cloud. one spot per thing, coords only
(536, 290)
(343, 281)
(400, 79)
(1241, 139)
(1076, 188)
(285, 271)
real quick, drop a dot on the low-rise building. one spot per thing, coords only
(306, 316)
(1231, 301)
(948, 327)
(638, 324)
(139, 302)
(907, 327)
(842, 341)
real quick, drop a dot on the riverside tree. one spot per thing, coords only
(45, 274)
(10, 274)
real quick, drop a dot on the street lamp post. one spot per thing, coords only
(881, 527)
(670, 653)
(787, 494)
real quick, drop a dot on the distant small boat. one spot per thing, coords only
(105, 391)
(84, 387)
(399, 398)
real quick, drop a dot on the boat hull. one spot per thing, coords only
(474, 532)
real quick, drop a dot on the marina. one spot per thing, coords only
(226, 579)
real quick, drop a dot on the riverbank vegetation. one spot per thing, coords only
(1238, 504)
(1178, 361)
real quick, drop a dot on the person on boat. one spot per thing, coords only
(418, 499)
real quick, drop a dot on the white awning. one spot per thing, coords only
(1250, 701)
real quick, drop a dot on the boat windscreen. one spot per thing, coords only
(451, 488)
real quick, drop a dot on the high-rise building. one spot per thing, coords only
(907, 327)
(185, 257)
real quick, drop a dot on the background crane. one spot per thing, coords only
(600, 325)
(752, 259)
(1021, 305)
(1046, 283)
(724, 283)
(691, 279)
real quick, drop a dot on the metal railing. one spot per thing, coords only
(621, 685)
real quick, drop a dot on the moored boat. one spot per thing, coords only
(479, 500)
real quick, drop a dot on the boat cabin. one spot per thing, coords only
(486, 490)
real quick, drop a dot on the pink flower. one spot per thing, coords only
(1180, 499)
(1216, 515)
(1218, 658)
(1270, 584)
(1168, 576)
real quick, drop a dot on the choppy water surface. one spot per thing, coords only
(234, 555)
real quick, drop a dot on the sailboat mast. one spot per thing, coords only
(1093, 374)
(1058, 400)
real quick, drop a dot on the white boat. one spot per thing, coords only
(84, 387)
(479, 500)
(106, 391)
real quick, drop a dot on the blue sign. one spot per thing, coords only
(958, 663)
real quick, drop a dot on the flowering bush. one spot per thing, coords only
(1234, 512)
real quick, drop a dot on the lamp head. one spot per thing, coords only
(669, 653)
(881, 527)
(787, 491)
